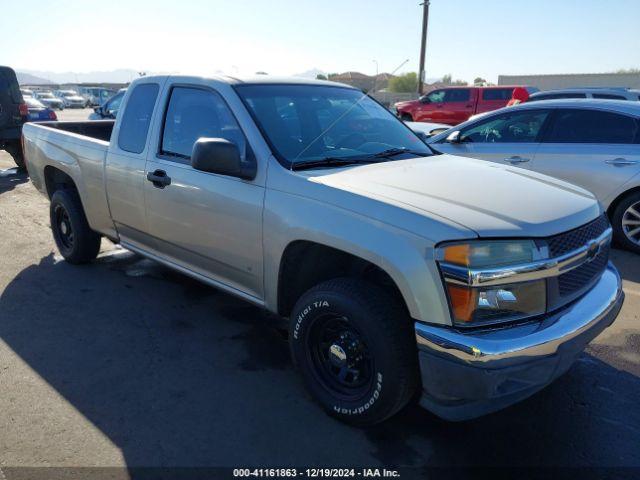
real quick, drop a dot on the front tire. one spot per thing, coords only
(405, 117)
(626, 223)
(355, 348)
(76, 241)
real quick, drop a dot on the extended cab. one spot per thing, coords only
(454, 105)
(400, 271)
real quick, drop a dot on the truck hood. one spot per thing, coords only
(492, 200)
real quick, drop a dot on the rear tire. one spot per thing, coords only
(76, 241)
(626, 223)
(355, 348)
(15, 150)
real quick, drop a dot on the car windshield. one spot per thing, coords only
(307, 123)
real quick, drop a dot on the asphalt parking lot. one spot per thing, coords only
(125, 363)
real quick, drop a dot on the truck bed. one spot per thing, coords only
(98, 129)
(77, 150)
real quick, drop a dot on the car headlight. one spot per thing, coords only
(473, 305)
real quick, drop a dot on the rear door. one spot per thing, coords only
(596, 149)
(125, 175)
(493, 98)
(206, 222)
(510, 138)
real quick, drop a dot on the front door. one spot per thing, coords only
(206, 222)
(509, 138)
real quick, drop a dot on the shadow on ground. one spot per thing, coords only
(12, 177)
(178, 374)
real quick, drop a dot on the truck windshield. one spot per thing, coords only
(311, 123)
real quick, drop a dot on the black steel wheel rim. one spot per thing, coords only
(340, 357)
(63, 227)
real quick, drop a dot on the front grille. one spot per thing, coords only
(571, 282)
(571, 285)
(569, 241)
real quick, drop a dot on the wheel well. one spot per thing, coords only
(305, 264)
(619, 198)
(56, 179)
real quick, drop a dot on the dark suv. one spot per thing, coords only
(13, 114)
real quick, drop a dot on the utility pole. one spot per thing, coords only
(423, 43)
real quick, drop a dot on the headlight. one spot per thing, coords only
(473, 305)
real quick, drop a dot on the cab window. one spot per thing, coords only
(137, 117)
(195, 113)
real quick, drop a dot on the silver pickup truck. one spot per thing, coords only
(400, 271)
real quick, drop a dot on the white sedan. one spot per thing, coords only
(591, 143)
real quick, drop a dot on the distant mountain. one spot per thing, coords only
(28, 79)
(113, 76)
(313, 73)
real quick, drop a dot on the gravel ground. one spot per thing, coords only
(125, 363)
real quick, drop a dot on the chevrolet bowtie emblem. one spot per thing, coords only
(593, 248)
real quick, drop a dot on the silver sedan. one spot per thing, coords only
(591, 143)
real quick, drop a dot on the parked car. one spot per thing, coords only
(424, 130)
(454, 105)
(26, 92)
(96, 95)
(110, 108)
(397, 269)
(13, 114)
(71, 99)
(598, 93)
(39, 112)
(591, 143)
(50, 100)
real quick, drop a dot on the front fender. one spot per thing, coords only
(404, 256)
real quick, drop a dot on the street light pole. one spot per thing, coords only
(423, 44)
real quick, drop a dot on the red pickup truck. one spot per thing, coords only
(454, 105)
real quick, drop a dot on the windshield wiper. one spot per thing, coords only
(392, 152)
(333, 162)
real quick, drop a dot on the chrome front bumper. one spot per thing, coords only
(466, 375)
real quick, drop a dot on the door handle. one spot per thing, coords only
(516, 159)
(159, 178)
(621, 162)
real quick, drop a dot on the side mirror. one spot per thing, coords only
(425, 99)
(97, 109)
(111, 114)
(218, 155)
(454, 137)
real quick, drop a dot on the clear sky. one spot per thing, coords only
(467, 38)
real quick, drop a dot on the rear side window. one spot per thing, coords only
(457, 95)
(195, 113)
(608, 96)
(557, 96)
(592, 126)
(137, 117)
(497, 94)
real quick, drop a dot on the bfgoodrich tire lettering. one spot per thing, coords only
(366, 329)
